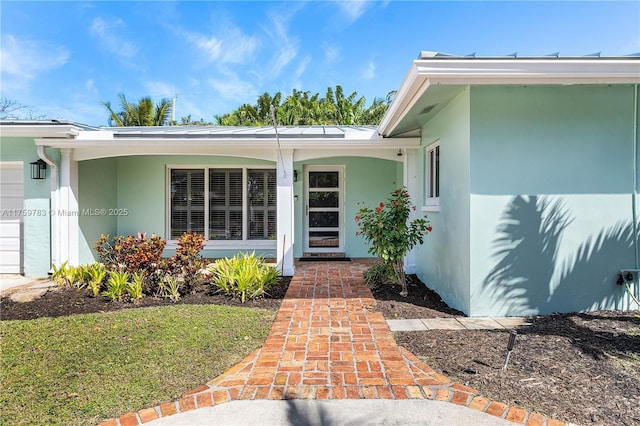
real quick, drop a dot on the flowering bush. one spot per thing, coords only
(390, 234)
(130, 253)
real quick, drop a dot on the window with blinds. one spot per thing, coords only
(261, 212)
(187, 202)
(231, 204)
(225, 204)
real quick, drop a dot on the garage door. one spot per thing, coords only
(11, 204)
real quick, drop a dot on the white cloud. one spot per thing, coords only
(231, 46)
(302, 67)
(90, 87)
(286, 46)
(210, 46)
(353, 9)
(332, 53)
(109, 36)
(370, 71)
(160, 90)
(22, 60)
(230, 86)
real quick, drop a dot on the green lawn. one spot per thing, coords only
(85, 368)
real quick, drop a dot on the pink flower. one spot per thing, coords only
(429, 228)
(414, 208)
(381, 205)
(357, 217)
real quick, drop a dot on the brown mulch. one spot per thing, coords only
(580, 368)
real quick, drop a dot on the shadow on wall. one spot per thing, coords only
(529, 279)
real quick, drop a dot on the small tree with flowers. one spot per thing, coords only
(391, 235)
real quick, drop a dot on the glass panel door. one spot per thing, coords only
(323, 209)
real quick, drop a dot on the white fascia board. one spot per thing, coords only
(530, 71)
(40, 131)
(430, 72)
(412, 88)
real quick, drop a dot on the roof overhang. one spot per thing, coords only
(41, 128)
(443, 77)
(253, 143)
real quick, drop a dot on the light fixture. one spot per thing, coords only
(39, 169)
(399, 154)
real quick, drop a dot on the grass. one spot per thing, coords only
(83, 369)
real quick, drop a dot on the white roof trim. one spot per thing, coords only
(456, 71)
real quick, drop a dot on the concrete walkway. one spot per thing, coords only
(327, 344)
(457, 323)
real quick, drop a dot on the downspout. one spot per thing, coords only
(55, 250)
(634, 194)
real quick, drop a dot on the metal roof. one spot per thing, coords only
(168, 132)
(426, 54)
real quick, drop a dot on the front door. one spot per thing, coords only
(324, 218)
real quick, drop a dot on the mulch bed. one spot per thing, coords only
(580, 368)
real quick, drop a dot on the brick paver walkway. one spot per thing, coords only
(327, 343)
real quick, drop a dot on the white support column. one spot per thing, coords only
(67, 212)
(410, 176)
(285, 213)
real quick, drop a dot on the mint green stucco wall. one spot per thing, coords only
(37, 195)
(551, 198)
(97, 188)
(442, 262)
(134, 188)
(366, 180)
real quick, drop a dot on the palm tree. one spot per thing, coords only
(144, 113)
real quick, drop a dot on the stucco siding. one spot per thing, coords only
(37, 206)
(551, 198)
(98, 203)
(442, 262)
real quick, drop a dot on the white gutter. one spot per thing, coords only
(55, 249)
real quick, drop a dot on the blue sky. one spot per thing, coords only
(63, 58)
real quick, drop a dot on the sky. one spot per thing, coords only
(63, 58)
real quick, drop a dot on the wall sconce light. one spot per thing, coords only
(295, 175)
(399, 154)
(39, 169)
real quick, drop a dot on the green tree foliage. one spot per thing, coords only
(305, 108)
(143, 113)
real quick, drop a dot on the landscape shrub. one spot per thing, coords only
(134, 287)
(96, 273)
(246, 276)
(391, 235)
(170, 288)
(117, 285)
(64, 275)
(130, 253)
(187, 262)
(378, 274)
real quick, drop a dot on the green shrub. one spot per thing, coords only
(97, 273)
(390, 232)
(379, 273)
(130, 253)
(244, 276)
(134, 287)
(117, 285)
(64, 275)
(170, 288)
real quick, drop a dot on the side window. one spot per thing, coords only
(432, 175)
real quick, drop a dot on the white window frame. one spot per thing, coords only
(432, 177)
(245, 242)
